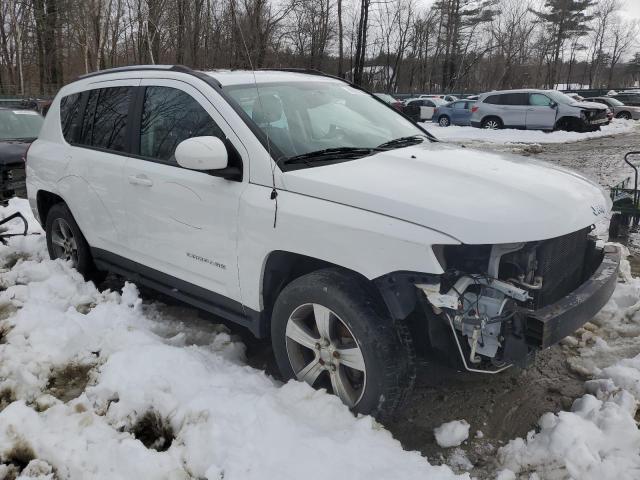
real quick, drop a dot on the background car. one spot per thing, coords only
(620, 110)
(446, 98)
(575, 96)
(536, 110)
(628, 98)
(18, 129)
(385, 97)
(454, 113)
(421, 109)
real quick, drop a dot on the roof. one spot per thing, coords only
(226, 77)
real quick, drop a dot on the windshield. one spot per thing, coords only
(614, 102)
(303, 117)
(19, 124)
(384, 97)
(560, 97)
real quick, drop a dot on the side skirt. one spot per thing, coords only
(186, 292)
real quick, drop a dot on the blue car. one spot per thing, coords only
(454, 113)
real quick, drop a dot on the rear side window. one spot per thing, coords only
(459, 105)
(509, 99)
(106, 117)
(170, 116)
(515, 99)
(70, 119)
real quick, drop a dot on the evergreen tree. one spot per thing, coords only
(564, 19)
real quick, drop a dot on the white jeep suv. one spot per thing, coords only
(310, 212)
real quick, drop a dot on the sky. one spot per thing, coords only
(632, 9)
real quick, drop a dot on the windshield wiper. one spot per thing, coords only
(331, 154)
(402, 142)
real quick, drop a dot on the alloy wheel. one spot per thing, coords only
(491, 125)
(323, 351)
(64, 243)
(444, 121)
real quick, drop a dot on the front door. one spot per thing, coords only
(182, 222)
(541, 114)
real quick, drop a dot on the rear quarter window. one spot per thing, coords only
(70, 116)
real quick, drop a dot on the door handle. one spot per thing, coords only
(140, 180)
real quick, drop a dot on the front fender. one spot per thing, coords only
(362, 241)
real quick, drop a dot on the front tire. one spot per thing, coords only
(65, 241)
(329, 330)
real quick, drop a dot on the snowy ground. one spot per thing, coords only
(455, 133)
(96, 385)
(99, 385)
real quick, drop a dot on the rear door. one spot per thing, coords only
(426, 110)
(541, 114)
(182, 222)
(514, 109)
(459, 115)
(93, 186)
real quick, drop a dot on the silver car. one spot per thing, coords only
(620, 110)
(536, 110)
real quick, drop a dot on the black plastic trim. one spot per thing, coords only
(552, 323)
(399, 292)
(194, 295)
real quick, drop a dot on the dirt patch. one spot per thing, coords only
(69, 382)
(153, 431)
(4, 330)
(7, 396)
(19, 455)
(502, 406)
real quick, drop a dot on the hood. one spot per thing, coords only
(12, 151)
(473, 196)
(591, 105)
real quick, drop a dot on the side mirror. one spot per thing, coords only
(553, 105)
(202, 153)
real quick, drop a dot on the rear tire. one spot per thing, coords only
(624, 116)
(492, 123)
(65, 241)
(444, 121)
(330, 311)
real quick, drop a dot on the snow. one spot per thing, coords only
(452, 434)
(599, 437)
(225, 419)
(456, 133)
(221, 418)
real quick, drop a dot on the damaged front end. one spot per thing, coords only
(502, 303)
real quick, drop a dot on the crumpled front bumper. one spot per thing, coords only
(550, 324)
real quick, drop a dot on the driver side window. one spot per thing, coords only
(170, 116)
(539, 100)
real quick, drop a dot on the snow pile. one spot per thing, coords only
(455, 133)
(452, 434)
(91, 388)
(599, 437)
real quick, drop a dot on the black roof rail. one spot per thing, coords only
(135, 68)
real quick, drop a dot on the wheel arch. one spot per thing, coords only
(44, 201)
(283, 267)
(490, 116)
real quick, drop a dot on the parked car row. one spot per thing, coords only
(522, 109)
